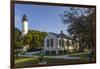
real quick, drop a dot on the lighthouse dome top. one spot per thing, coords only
(24, 18)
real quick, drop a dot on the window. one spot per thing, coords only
(47, 43)
(62, 42)
(51, 42)
(67, 43)
(47, 52)
(59, 42)
(53, 52)
(73, 43)
(60, 52)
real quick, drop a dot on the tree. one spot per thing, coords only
(17, 39)
(34, 39)
(35, 42)
(80, 23)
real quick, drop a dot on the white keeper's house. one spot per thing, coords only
(59, 44)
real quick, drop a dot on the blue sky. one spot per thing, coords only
(42, 18)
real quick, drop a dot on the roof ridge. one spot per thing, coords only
(59, 35)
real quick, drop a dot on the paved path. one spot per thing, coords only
(59, 56)
(81, 53)
(63, 57)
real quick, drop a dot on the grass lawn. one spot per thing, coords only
(18, 60)
(82, 56)
(32, 61)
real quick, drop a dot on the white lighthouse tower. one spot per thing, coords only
(24, 25)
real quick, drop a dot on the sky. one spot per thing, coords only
(41, 17)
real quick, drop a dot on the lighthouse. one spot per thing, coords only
(24, 25)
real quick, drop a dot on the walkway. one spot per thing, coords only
(58, 56)
(63, 57)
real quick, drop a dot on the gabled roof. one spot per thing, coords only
(54, 34)
(61, 35)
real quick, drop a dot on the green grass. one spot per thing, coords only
(84, 57)
(22, 60)
(31, 61)
(25, 61)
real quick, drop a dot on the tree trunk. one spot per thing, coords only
(80, 43)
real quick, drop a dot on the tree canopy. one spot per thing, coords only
(79, 23)
(34, 39)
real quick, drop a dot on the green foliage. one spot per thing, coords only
(80, 24)
(34, 39)
(17, 39)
